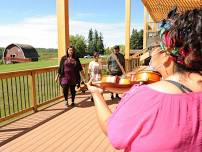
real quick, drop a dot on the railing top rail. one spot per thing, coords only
(4, 75)
(26, 72)
(14, 74)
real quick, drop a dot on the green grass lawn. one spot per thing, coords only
(48, 57)
(34, 65)
(28, 65)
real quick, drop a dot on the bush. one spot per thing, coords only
(1, 53)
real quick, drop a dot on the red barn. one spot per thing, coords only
(15, 53)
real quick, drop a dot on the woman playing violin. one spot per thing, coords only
(166, 115)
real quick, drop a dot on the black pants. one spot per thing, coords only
(115, 74)
(65, 88)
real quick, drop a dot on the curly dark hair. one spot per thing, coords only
(186, 35)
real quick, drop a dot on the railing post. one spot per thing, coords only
(33, 91)
(86, 71)
(127, 65)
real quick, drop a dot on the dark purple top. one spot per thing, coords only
(69, 72)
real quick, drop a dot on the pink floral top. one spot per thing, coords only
(150, 121)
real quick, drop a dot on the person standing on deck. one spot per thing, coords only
(113, 66)
(95, 69)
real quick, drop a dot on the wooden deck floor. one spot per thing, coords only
(57, 129)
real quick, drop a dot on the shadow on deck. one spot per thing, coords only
(57, 128)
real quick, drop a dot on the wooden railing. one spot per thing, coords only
(25, 91)
(138, 58)
(28, 90)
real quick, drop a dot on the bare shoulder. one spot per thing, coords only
(165, 87)
(193, 82)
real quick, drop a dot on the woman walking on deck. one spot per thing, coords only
(69, 73)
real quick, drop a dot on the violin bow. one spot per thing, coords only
(119, 64)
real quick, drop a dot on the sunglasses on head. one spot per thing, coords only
(152, 48)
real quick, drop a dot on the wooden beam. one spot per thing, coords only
(63, 26)
(127, 32)
(145, 31)
(155, 26)
(127, 28)
(158, 9)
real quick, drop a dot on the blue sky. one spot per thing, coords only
(34, 21)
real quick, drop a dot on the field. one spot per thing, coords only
(47, 58)
(33, 65)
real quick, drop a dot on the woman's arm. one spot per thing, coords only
(83, 75)
(102, 110)
(109, 64)
(61, 65)
(60, 68)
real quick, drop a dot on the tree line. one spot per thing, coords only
(94, 42)
(136, 39)
(1, 52)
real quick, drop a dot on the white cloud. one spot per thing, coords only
(42, 32)
(36, 31)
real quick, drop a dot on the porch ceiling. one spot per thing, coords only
(158, 9)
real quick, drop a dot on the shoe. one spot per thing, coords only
(72, 104)
(117, 96)
(66, 104)
(91, 98)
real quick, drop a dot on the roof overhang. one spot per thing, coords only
(158, 9)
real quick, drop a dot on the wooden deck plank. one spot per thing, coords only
(70, 144)
(40, 135)
(23, 124)
(36, 134)
(65, 136)
(74, 129)
(36, 128)
(87, 142)
(96, 143)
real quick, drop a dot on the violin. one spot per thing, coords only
(144, 77)
(116, 83)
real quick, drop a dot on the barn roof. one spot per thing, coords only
(158, 9)
(28, 50)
